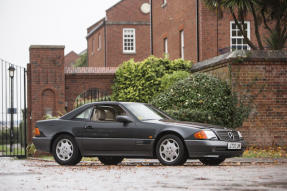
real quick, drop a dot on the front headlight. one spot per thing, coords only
(240, 135)
(205, 134)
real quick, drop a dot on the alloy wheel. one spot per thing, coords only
(64, 149)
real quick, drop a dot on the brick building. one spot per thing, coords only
(70, 59)
(124, 33)
(188, 29)
(182, 29)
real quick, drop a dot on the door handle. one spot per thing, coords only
(88, 127)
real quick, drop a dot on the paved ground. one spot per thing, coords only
(235, 174)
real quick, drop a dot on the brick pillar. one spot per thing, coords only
(46, 84)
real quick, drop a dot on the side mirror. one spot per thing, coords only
(123, 119)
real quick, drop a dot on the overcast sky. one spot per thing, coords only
(48, 22)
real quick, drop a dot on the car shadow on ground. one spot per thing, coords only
(137, 164)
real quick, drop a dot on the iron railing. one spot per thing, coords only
(91, 95)
(13, 112)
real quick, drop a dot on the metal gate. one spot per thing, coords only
(91, 95)
(13, 124)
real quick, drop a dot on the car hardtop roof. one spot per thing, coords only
(112, 102)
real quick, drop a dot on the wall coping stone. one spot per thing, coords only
(90, 70)
(46, 47)
(244, 55)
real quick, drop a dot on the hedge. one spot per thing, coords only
(202, 98)
(141, 81)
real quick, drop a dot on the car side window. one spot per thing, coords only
(107, 113)
(85, 115)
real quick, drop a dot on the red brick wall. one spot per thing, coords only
(127, 10)
(168, 21)
(125, 14)
(267, 123)
(96, 58)
(262, 82)
(79, 83)
(214, 34)
(51, 88)
(46, 80)
(115, 55)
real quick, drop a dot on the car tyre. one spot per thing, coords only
(107, 160)
(212, 161)
(65, 150)
(170, 150)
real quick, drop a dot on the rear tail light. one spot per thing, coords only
(37, 132)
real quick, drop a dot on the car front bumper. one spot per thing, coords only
(212, 148)
(42, 143)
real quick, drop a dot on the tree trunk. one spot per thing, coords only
(258, 37)
(241, 30)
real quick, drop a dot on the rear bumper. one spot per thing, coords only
(208, 148)
(42, 143)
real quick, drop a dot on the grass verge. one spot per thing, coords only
(268, 152)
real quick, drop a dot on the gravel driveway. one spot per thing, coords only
(133, 175)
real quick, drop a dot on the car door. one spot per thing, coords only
(106, 136)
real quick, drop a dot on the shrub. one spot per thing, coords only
(202, 98)
(141, 81)
(169, 79)
(31, 150)
(191, 115)
(82, 61)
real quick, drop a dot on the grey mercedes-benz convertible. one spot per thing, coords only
(112, 131)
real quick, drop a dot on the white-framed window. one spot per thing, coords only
(99, 42)
(165, 46)
(182, 44)
(164, 2)
(93, 46)
(129, 40)
(237, 41)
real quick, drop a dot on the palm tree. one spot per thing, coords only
(274, 13)
(266, 10)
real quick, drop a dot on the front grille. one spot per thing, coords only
(224, 135)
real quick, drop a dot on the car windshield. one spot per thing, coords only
(145, 112)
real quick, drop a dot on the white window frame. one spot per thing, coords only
(165, 45)
(164, 3)
(128, 38)
(182, 44)
(238, 37)
(93, 46)
(99, 42)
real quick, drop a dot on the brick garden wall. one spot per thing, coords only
(46, 79)
(77, 82)
(264, 77)
(267, 123)
(52, 89)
